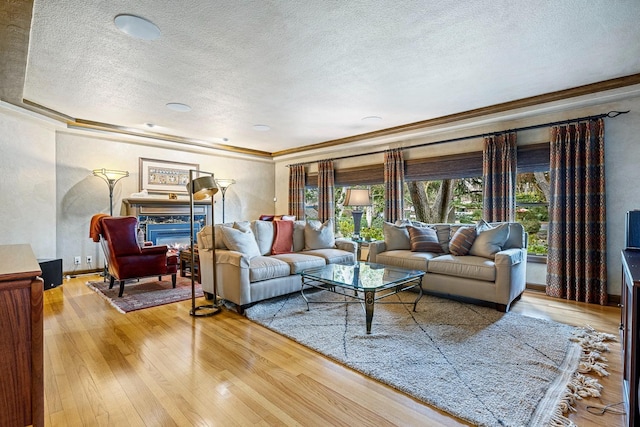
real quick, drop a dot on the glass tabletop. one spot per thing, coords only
(362, 275)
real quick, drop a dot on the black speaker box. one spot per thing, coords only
(51, 272)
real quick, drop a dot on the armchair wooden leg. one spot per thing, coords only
(173, 279)
(159, 278)
(121, 289)
(112, 281)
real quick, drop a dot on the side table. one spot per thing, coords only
(185, 264)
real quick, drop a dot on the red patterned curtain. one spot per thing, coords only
(577, 262)
(499, 171)
(393, 185)
(296, 191)
(326, 204)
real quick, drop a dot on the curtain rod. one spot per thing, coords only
(610, 114)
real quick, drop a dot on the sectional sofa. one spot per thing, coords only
(258, 260)
(484, 261)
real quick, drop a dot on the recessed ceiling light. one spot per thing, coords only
(261, 128)
(372, 119)
(177, 106)
(137, 27)
(150, 125)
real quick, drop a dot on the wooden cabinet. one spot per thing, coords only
(630, 331)
(21, 338)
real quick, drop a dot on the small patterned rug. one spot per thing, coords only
(484, 366)
(145, 293)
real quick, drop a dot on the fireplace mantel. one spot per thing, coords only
(162, 206)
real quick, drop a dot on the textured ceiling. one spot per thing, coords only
(312, 69)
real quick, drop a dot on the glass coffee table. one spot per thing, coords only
(365, 282)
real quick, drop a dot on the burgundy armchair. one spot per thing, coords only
(125, 258)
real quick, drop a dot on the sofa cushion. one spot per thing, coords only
(300, 261)
(283, 237)
(264, 233)
(470, 267)
(424, 239)
(218, 233)
(332, 256)
(489, 240)
(240, 241)
(298, 235)
(264, 268)
(396, 237)
(406, 259)
(462, 240)
(319, 236)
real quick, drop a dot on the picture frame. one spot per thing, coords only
(164, 176)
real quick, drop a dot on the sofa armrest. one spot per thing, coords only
(225, 256)
(376, 247)
(346, 245)
(510, 257)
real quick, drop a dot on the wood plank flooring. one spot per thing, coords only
(161, 367)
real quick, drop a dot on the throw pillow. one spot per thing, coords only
(283, 239)
(263, 232)
(490, 240)
(240, 241)
(298, 235)
(462, 240)
(319, 236)
(424, 239)
(395, 237)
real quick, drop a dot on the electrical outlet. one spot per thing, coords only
(76, 260)
(89, 259)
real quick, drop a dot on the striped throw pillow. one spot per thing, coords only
(462, 240)
(424, 239)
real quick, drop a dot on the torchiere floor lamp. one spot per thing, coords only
(223, 184)
(111, 177)
(201, 188)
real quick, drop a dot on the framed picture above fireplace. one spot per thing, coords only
(163, 176)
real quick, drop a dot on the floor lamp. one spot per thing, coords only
(111, 177)
(201, 188)
(223, 184)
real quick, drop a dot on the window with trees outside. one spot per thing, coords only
(445, 189)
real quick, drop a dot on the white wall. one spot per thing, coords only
(48, 193)
(622, 157)
(27, 182)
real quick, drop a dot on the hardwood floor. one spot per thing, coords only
(161, 367)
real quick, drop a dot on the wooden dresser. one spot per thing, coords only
(21, 338)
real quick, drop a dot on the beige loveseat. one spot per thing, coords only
(256, 260)
(493, 269)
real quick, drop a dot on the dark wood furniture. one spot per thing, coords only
(185, 264)
(21, 338)
(630, 332)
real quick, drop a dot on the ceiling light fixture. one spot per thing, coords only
(177, 106)
(137, 27)
(372, 119)
(261, 128)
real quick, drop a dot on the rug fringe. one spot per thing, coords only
(593, 344)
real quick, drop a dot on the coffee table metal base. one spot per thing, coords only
(369, 297)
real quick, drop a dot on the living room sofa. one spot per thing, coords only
(485, 262)
(258, 260)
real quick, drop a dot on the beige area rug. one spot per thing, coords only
(146, 293)
(486, 367)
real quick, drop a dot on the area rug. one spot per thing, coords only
(481, 365)
(148, 292)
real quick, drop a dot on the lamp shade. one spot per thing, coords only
(110, 175)
(223, 183)
(357, 197)
(202, 187)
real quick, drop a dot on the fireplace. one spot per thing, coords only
(167, 222)
(173, 234)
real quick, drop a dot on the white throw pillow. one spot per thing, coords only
(396, 237)
(319, 236)
(240, 241)
(263, 230)
(298, 235)
(489, 240)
